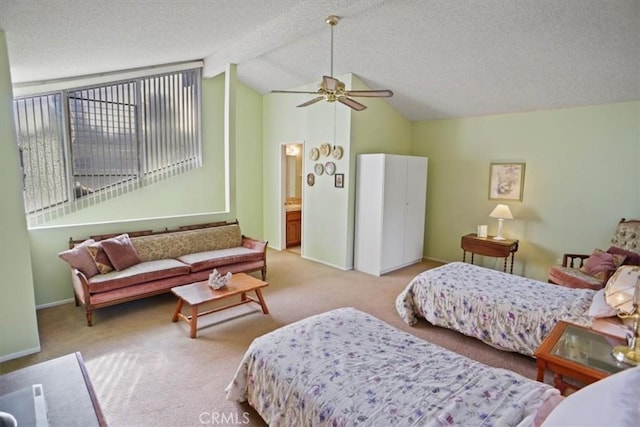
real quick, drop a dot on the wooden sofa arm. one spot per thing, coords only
(81, 293)
(250, 243)
(260, 245)
(574, 260)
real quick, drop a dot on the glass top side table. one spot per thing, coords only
(578, 353)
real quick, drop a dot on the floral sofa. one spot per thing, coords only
(112, 269)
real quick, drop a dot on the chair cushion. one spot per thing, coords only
(632, 258)
(573, 278)
(600, 262)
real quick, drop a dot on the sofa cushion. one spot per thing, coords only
(177, 244)
(121, 252)
(212, 259)
(137, 274)
(573, 278)
(100, 257)
(78, 257)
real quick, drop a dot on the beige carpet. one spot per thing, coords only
(147, 371)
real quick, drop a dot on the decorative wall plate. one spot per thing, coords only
(314, 154)
(325, 149)
(318, 169)
(330, 168)
(337, 152)
(311, 179)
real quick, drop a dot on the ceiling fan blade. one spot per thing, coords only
(330, 83)
(352, 103)
(312, 101)
(294, 91)
(383, 93)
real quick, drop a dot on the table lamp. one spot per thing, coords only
(622, 293)
(501, 212)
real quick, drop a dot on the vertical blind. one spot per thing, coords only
(83, 146)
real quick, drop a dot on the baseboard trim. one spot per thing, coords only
(427, 258)
(326, 263)
(20, 354)
(55, 303)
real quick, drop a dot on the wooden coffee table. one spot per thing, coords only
(200, 292)
(579, 353)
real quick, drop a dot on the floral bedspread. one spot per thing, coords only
(506, 311)
(347, 368)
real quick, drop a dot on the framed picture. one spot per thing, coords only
(339, 180)
(506, 181)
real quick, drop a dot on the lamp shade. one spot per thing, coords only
(501, 211)
(622, 291)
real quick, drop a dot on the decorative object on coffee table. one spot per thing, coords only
(217, 280)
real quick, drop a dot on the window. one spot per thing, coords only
(82, 146)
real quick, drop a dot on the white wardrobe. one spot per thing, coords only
(391, 194)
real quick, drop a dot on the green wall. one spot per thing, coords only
(324, 207)
(248, 155)
(18, 326)
(327, 211)
(581, 177)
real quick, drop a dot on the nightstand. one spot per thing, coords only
(488, 246)
(579, 353)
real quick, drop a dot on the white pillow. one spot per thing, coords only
(612, 401)
(599, 306)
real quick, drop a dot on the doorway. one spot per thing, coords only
(292, 197)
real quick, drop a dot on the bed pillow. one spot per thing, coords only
(612, 401)
(78, 257)
(121, 252)
(632, 258)
(599, 307)
(600, 262)
(100, 257)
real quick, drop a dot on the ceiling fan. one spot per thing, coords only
(332, 89)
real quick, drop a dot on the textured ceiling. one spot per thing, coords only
(442, 58)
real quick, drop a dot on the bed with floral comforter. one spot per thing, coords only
(347, 368)
(506, 311)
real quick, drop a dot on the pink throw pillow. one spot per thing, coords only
(632, 258)
(100, 257)
(600, 262)
(121, 252)
(78, 257)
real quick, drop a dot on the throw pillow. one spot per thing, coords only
(632, 258)
(609, 402)
(599, 307)
(599, 262)
(121, 252)
(78, 257)
(100, 257)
